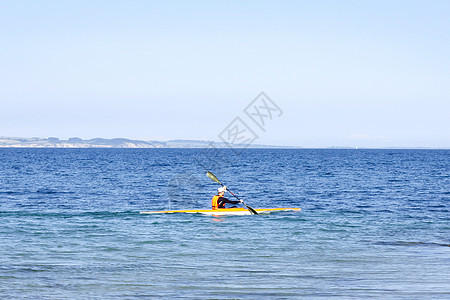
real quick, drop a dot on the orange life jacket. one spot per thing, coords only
(215, 202)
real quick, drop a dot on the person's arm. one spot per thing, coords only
(223, 200)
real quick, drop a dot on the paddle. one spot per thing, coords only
(214, 178)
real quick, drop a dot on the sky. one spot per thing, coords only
(343, 73)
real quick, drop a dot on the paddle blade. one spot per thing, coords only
(254, 212)
(213, 177)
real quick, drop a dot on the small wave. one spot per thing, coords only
(7, 192)
(52, 191)
(17, 192)
(398, 180)
(412, 244)
(68, 214)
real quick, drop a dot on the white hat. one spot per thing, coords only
(222, 189)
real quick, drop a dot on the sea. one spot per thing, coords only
(373, 224)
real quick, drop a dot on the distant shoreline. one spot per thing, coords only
(225, 148)
(123, 143)
(73, 143)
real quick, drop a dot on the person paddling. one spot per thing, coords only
(219, 201)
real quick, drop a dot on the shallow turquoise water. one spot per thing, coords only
(374, 223)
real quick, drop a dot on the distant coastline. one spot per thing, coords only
(75, 142)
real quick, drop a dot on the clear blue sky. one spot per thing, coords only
(345, 73)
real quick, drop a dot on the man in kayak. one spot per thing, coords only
(219, 201)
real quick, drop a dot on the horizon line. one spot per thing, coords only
(220, 145)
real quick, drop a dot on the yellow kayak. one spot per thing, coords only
(222, 211)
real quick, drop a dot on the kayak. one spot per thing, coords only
(222, 211)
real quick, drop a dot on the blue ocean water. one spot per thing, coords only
(374, 223)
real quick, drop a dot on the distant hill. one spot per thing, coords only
(75, 142)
